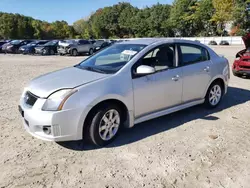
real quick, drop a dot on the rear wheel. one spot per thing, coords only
(74, 52)
(214, 95)
(103, 125)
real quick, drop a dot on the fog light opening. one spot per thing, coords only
(47, 130)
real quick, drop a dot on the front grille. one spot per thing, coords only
(245, 67)
(30, 98)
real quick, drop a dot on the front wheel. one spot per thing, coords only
(52, 52)
(91, 51)
(214, 95)
(74, 52)
(104, 125)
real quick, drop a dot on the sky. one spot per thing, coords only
(68, 10)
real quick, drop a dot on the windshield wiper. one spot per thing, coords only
(93, 69)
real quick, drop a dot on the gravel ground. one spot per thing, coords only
(192, 148)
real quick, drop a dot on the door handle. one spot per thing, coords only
(176, 78)
(207, 69)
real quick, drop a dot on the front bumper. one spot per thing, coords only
(63, 51)
(242, 72)
(63, 125)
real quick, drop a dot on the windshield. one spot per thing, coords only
(16, 42)
(51, 43)
(98, 43)
(111, 59)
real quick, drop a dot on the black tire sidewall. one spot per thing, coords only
(91, 51)
(94, 125)
(207, 102)
(74, 52)
(52, 52)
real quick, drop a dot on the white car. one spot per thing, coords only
(122, 85)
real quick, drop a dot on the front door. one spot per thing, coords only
(160, 90)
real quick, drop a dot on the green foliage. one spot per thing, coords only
(184, 18)
(16, 26)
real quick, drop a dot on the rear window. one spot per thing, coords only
(192, 54)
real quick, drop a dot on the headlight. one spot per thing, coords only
(10, 46)
(56, 101)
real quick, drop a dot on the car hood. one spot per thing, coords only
(26, 47)
(71, 77)
(64, 44)
(246, 40)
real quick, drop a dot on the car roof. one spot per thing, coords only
(149, 41)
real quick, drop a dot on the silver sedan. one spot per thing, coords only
(122, 85)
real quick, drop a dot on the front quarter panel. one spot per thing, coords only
(117, 86)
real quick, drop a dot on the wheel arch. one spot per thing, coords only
(217, 79)
(126, 113)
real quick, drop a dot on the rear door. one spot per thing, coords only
(196, 65)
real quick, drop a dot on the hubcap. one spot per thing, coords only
(109, 124)
(215, 95)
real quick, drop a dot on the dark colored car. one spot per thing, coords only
(100, 44)
(224, 42)
(49, 48)
(212, 42)
(241, 66)
(13, 46)
(30, 48)
(1, 44)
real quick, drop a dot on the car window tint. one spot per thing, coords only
(193, 54)
(84, 42)
(160, 58)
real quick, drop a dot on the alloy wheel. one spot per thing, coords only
(215, 95)
(109, 125)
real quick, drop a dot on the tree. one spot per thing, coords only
(180, 18)
(223, 13)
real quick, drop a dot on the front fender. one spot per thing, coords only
(96, 102)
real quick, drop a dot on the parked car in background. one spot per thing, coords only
(75, 47)
(1, 44)
(224, 42)
(92, 41)
(212, 42)
(100, 44)
(49, 48)
(13, 46)
(241, 66)
(122, 85)
(30, 48)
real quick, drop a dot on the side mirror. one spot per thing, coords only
(144, 70)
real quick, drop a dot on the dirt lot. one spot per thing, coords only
(192, 148)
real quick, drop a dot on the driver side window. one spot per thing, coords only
(160, 58)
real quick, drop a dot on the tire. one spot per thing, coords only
(101, 129)
(74, 52)
(236, 74)
(91, 51)
(214, 95)
(52, 52)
